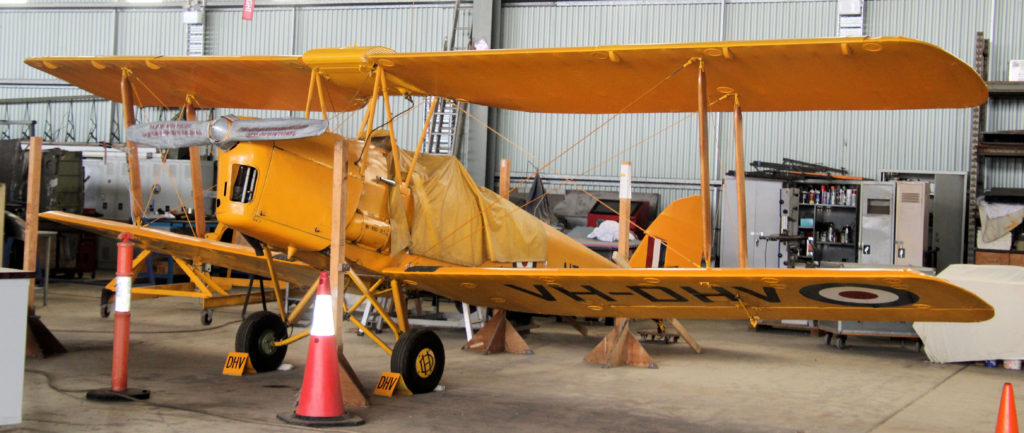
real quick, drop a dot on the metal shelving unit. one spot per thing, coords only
(985, 144)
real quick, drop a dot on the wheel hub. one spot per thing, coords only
(425, 362)
(267, 342)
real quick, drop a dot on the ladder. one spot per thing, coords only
(444, 136)
(195, 27)
(196, 39)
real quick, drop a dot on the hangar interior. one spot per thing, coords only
(924, 189)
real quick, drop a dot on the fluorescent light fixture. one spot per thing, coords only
(13, 2)
(144, 1)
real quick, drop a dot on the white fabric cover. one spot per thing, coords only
(997, 338)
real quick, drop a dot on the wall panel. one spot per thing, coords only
(52, 33)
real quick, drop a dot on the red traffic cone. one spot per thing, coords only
(1006, 422)
(320, 403)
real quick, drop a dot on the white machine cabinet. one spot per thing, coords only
(911, 236)
(877, 209)
(13, 320)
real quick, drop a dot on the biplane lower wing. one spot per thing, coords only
(813, 294)
(225, 254)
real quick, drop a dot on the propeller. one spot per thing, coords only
(224, 131)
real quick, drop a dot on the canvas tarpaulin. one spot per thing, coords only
(997, 338)
(455, 221)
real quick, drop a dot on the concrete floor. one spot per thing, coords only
(765, 381)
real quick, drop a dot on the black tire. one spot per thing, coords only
(206, 317)
(828, 339)
(256, 336)
(419, 358)
(105, 310)
(841, 342)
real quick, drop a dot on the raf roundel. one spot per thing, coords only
(859, 295)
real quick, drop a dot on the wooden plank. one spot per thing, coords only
(575, 325)
(686, 335)
(31, 238)
(353, 392)
(339, 196)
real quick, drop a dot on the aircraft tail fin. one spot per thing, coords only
(674, 239)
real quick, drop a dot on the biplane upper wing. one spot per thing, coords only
(782, 75)
(221, 253)
(258, 82)
(815, 294)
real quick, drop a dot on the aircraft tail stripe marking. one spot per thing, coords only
(655, 253)
(662, 252)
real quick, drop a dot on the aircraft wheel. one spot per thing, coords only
(419, 358)
(206, 316)
(256, 336)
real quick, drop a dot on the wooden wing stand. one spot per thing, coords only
(498, 334)
(619, 348)
(352, 391)
(39, 341)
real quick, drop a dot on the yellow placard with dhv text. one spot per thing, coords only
(237, 364)
(390, 383)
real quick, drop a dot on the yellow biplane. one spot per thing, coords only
(416, 222)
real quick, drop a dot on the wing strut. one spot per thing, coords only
(128, 109)
(197, 174)
(741, 181)
(705, 188)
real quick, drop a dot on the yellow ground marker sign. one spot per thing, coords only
(237, 364)
(390, 383)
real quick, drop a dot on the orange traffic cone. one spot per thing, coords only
(320, 403)
(1006, 422)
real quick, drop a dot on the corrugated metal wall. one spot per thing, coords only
(28, 33)
(295, 30)
(864, 142)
